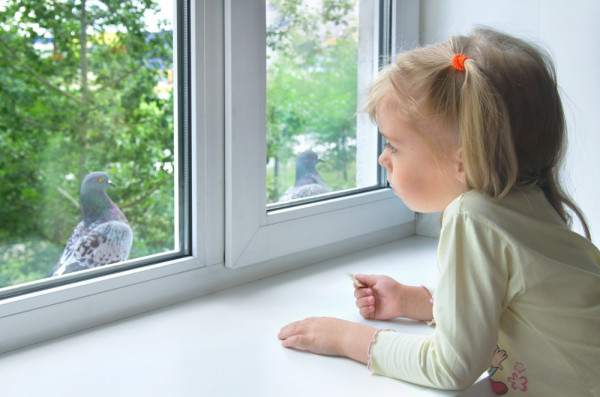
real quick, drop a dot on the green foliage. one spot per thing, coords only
(78, 93)
(311, 89)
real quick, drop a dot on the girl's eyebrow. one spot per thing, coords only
(387, 138)
(383, 134)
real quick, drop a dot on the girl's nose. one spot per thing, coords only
(383, 160)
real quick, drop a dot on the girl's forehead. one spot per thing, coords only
(390, 108)
(394, 124)
(398, 116)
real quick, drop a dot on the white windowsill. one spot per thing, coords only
(225, 344)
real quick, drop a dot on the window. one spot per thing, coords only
(91, 87)
(312, 90)
(258, 228)
(229, 223)
(58, 306)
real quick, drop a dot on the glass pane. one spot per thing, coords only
(87, 145)
(316, 80)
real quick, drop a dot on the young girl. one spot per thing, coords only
(475, 128)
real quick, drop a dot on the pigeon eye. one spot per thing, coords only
(100, 180)
(310, 156)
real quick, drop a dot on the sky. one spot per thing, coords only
(167, 7)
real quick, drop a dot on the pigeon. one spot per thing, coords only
(102, 237)
(308, 180)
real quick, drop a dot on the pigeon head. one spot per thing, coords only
(95, 183)
(96, 203)
(306, 164)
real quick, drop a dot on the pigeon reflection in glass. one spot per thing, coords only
(308, 180)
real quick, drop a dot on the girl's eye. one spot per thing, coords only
(388, 146)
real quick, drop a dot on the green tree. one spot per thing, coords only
(311, 86)
(332, 122)
(78, 93)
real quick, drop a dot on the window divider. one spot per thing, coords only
(252, 235)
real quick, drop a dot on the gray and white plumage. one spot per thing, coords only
(308, 180)
(102, 237)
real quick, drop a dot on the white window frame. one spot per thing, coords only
(253, 234)
(220, 240)
(34, 317)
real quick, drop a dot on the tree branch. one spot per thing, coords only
(150, 192)
(69, 197)
(35, 74)
(116, 81)
(38, 124)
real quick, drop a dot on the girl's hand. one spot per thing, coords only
(329, 336)
(380, 298)
(383, 298)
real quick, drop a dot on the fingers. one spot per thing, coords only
(367, 312)
(295, 342)
(361, 292)
(296, 335)
(365, 301)
(319, 335)
(366, 280)
(289, 330)
(366, 306)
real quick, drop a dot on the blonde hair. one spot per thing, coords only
(505, 106)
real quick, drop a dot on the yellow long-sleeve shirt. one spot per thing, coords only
(518, 295)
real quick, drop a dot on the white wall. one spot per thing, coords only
(570, 31)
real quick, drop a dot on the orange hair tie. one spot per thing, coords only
(458, 61)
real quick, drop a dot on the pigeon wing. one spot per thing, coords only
(98, 245)
(112, 244)
(296, 192)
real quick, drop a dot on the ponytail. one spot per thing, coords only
(488, 153)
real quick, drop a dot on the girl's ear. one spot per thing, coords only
(459, 169)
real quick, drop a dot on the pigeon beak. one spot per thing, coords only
(320, 161)
(111, 183)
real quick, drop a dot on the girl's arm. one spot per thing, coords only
(381, 298)
(329, 336)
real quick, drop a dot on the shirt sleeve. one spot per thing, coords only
(467, 309)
